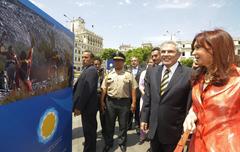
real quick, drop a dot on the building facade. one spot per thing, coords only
(186, 49)
(125, 47)
(84, 40)
(237, 46)
(147, 45)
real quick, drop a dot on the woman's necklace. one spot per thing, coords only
(207, 78)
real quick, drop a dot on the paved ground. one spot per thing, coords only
(77, 139)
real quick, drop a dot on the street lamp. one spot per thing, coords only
(172, 34)
(71, 21)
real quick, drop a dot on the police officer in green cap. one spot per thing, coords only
(119, 86)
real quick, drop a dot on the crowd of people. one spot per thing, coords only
(17, 68)
(166, 98)
(20, 77)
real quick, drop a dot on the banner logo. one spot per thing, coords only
(47, 125)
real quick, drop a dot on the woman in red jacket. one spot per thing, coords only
(214, 117)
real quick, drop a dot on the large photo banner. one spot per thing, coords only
(35, 80)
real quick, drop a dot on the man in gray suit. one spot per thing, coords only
(167, 93)
(136, 71)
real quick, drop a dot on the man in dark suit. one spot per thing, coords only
(85, 100)
(167, 93)
(136, 71)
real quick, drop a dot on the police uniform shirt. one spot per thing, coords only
(119, 84)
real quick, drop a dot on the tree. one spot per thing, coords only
(187, 61)
(107, 53)
(141, 53)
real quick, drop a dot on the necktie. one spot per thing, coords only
(164, 81)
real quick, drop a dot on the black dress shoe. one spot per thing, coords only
(123, 148)
(107, 148)
(130, 128)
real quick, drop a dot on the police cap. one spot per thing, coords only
(118, 56)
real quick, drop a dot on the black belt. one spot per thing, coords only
(116, 98)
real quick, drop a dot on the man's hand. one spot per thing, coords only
(102, 106)
(77, 112)
(144, 126)
(133, 107)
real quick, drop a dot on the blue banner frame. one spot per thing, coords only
(39, 123)
(23, 121)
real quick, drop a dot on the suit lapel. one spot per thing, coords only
(174, 79)
(158, 77)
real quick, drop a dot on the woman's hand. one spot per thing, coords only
(189, 122)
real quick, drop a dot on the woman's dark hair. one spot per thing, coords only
(222, 49)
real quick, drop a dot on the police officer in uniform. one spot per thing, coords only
(120, 87)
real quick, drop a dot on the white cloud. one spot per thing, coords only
(216, 5)
(38, 4)
(120, 3)
(128, 1)
(174, 4)
(145, 4)
(125, 2)
(175, 1)
(177, 6)
(117, 26)
(122, 26)
(155, 39)
(81, 4)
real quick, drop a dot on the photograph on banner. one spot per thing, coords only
(35, 54)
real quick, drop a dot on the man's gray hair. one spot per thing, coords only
(173, 43)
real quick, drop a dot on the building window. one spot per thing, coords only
(238, 51)
(183, 45)
(238, 42)
(183, 53)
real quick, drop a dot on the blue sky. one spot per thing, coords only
(137, 21)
